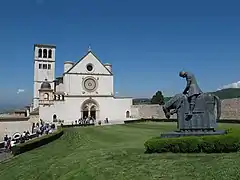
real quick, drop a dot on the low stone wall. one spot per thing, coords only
(148, 111)
(230, 110)
(12, 126)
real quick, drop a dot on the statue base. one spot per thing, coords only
(176, 134)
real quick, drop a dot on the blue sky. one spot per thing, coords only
(147, 42)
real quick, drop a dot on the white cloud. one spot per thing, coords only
(20, 91)
(232, 85)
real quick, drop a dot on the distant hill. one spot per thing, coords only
(141, 101)
(6, 108)
(229, 93)
(146, 100)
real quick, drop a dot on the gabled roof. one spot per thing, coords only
(83, 58)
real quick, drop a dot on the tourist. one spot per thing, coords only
(5, 139)
(79, 121)
(24, 134)
(12, 143)
(8, 143)
(33, 126)
(106, 120)
(52, 126)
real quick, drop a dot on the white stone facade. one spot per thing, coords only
(86, 89)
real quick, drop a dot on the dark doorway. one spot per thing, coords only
(127, 114)
(85, 112)
(54, 118)
(93, 112)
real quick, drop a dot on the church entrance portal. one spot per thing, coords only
(89, 109)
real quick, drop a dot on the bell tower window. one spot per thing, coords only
(50, 53)
(44, 66)
(45, 53)
(40, 53)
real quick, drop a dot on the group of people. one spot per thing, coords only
(43, 128)
(9, 142)
(85, 120)
(38, 129)
(89, 120)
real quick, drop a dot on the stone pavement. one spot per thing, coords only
(4, 155)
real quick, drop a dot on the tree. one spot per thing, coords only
(158, 98)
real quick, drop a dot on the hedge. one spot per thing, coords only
(76, 125)
(35, 143)
(234, 121)
(147, 120)
(229, 142)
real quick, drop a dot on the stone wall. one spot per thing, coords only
(12, 124)
(230, 110)
(11, 127)
(148, 111)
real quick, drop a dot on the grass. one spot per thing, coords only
(117, 152)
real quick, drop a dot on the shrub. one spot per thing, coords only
(194, 144)
(35, 143)
(234, 121)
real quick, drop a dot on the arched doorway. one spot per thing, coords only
(127, 114)
(90, 108)
(85, 112)
(93, 112)
(54, 118)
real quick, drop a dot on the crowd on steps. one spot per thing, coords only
(38, 129)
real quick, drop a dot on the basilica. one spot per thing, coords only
(85, 89)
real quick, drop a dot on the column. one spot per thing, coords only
(89, 111)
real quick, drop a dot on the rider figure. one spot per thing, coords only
(192, 90)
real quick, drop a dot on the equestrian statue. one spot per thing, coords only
(195, 110)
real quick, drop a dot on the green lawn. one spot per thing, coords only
(117, 152)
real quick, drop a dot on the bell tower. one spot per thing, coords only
(44, 68)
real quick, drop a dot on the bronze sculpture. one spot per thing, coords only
(195, 110)
(192, 89)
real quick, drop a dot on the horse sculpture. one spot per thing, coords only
(203, 118)
(195, 110)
